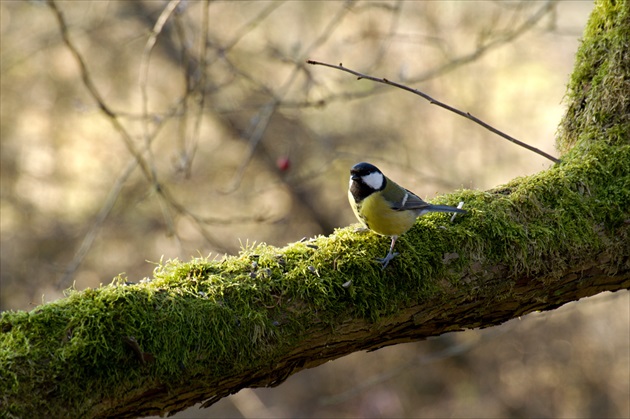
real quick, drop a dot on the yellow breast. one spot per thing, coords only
(376, 214)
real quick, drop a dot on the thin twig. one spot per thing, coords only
(146, 56)
(143, 81)
(486, 47)
(141, 154)
(102, 215)
(89, 84)
(433, 101)
(188, 151)
(247, 27)
(144, 62)
(269, 109)
(451, 65)
(147, 170)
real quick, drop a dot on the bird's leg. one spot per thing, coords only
(391, 255)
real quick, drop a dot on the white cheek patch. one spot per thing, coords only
(374, 180)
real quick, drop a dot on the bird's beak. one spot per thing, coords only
(354, 176)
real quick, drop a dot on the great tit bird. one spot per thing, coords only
(385, 207)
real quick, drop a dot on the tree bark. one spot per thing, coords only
(201, 330)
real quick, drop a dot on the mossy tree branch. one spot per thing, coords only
(201, 330)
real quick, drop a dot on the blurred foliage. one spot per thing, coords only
(250, 144)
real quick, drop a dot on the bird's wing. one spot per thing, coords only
(410, 201)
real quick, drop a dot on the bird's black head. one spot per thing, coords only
(365, 179)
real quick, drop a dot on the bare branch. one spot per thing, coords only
(269, 109)
(89, 84)
(452, 64)
(102, 215)
(144, 62)
(165, 200)
(433, 101)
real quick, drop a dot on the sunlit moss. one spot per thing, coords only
(212, 318)
(598, 94)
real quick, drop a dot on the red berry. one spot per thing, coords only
(283, 163)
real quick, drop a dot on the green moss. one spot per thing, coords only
(201, 317)
(599, 90)
(214, 318)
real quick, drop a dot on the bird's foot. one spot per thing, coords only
(385, 261)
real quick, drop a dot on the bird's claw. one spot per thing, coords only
(385, 261)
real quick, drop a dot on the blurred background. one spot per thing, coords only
(213, 102)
